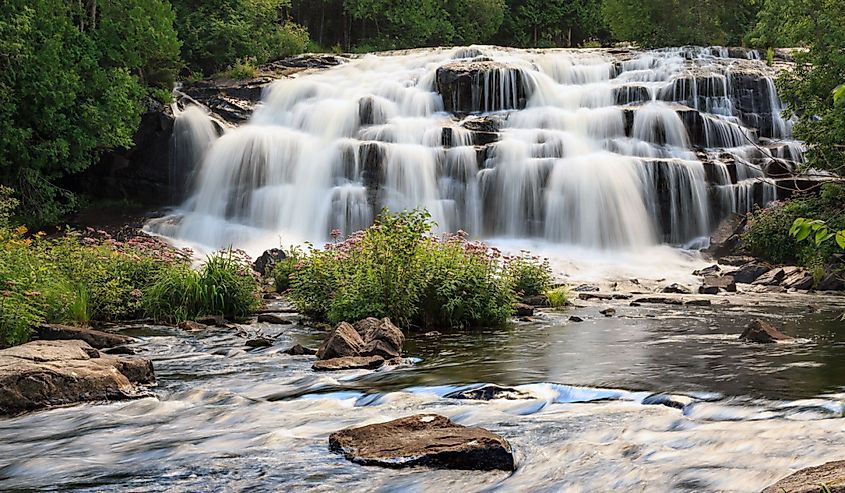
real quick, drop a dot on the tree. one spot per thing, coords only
(216, 33)
(475, 21)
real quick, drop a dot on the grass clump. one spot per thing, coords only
(397, 268)
(558, 297)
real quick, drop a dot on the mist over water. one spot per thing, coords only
(577, 149)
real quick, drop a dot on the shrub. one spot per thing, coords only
(398, 269)
(243, 68)
(558, 297)
(283, 270)
(767, 234)
(531, 276)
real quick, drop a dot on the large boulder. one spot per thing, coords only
(726, 238)
(95, 338)
(381, 337)
(49, 373)
(715, 284)
(750, 272)
(811, 479)
(798, 279)
(771, 278)
(342, 341)
(763, 333)
(264, 264)
(424, 440)
(832, 282)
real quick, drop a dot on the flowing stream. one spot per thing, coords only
(226, 419)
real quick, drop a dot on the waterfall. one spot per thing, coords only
(596, 148)
(193, 133)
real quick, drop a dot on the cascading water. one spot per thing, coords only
(594, 148)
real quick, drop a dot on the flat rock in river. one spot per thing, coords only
(424, 440)
(811, 479)
(49, 373)
(490, 392)
(95, 338)
(349, 363)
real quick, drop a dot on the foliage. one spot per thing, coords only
(215, 33)
(398, 269)
(530, 275)
(558, 297)
(656, 23)
(243, 68)
(810, 90)
(283, 270)
(769, 231)
(71, 84)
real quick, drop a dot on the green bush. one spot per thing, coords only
(284, 269)
(243, 68)
(397, 268)
(767, 234)
(531, 276)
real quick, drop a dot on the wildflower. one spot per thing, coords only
(136, 293)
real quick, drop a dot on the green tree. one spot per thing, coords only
(61, 104)
(396, 25)
(475, 21)
(216, 33)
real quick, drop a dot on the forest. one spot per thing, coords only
(76, 76)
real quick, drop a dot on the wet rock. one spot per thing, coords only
(675, 401)
(212, 320)
(539, 300)
(608, 312)
(594, 296)
(343, 341)
(95, 338)
(763, 333)
(349, 363)
(433, 333)
(708, 271)
(271, 296)
(192, 326)
(259, 342)
(698, 303)
(810, 479)
(831, 282)
(574, 318)
(424, 440)
(798, 279)
(119, 351)
(750, 272)
(299, 350)
(712, 285)
(523, 310)
(48, 373)
(736, 260)
(381, 337)
(726, 238)
(770, 278)
(677, 289)
(769, 289)
(657, 300)
(264, 264)
(473, 86)
(586, 288)
(483, 123)
(490, 392)
(272, 318)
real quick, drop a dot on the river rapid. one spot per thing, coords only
(223, 418)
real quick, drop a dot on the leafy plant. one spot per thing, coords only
(531, 276)
(558, 297)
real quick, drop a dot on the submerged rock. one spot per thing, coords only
(95, 338)
(523, 310)
(763, 333)
(51, 373)
(299, 350)
(349, 363)
(259, 342)
(811, 479)
(490, 392)
(677, 289)
(608, 312)
(424, 440)
(192, 326)
(273, 318)
(575, 318)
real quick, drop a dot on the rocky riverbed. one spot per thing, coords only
(663, 397)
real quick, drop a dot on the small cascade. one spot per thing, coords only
(193, 133)
(594, 148)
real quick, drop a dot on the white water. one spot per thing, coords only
(601, 157)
